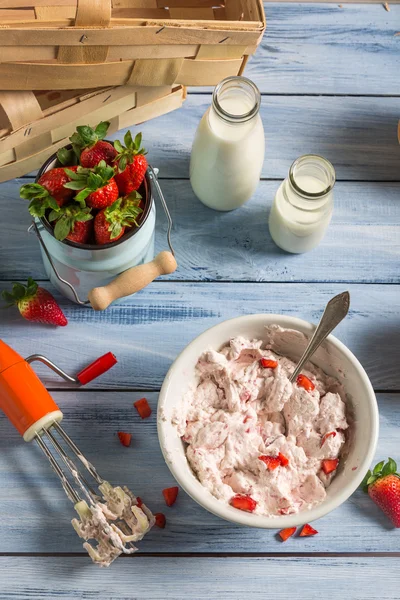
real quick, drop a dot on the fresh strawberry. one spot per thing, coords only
(307, 530)
(305, 382)
(285, 534)
(139, 501)
(271, 462)
(383, 487)
(160, 520)
(170, 495)
(88, 145)
(131, 164)
(268, 364)
(143, 408)
(35, 303)
(49, 192)
(125, 438)
(325, 437)
(283, 459)
(110, 223)
(243, 502)
(329, 465)
(97, 186)
(72, 223)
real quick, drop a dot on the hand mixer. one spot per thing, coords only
(110, 516)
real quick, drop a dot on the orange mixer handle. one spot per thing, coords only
(23, 397)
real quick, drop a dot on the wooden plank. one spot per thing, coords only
(182, 579)
(149, 329)
(328, 48)
(35, 514)
(362, 211)
(358, 135)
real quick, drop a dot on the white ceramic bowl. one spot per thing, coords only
(333, 357)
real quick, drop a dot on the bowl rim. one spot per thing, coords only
(224, 511)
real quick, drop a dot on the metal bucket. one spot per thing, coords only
(81, 271)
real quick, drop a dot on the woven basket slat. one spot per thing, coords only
(25, 143)
(107, 41)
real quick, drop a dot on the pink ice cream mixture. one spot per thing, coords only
(240, 411)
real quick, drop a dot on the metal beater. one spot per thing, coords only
(110, 516)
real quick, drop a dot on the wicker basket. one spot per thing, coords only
(35, 125)
(75, 44)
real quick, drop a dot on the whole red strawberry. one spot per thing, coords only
(131, 164)
(72, 223)
(35, 303)
(97, 186)
(48, 192)
(89, 146)
(383, 486)
(110, 223)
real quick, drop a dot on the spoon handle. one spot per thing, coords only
(335, 311)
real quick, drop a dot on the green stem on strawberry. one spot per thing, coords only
(67, 218)
(40, 199)
(87, 181)
(86, 136)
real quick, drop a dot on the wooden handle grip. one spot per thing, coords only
(132, 280)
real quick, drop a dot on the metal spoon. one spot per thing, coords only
(335, 311)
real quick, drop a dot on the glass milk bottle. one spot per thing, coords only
(228, 149)
(303, 205)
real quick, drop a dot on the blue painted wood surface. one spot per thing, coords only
(330, 82)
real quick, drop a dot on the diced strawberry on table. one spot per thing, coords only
(285, 534)
(160, 520)
(170, 495)
(143, 408)
(125, 438)
(307, 531)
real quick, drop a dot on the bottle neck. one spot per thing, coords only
(310, 182)
(236, 100)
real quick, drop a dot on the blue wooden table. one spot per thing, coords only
(330, 79)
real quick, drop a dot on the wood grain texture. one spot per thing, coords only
(35, 514)
(328, 49)
(149, 329)
(363, 211)
(194, 578)
(358, 135)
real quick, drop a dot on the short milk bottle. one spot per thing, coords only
(228, 149)
(303, 205)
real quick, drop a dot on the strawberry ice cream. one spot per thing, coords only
(257, 441)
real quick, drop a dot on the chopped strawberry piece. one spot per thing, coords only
(271, 462)
(329, 465)
(307, 530)
(243, 502)
(268, 363)
(170, 495)
(330, 434)
(139, 502)
(143, 408)
(125, 438)
(160, 520)
(283, 459)
(286, 533)
(305, 382)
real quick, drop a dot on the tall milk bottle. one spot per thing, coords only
(228, 149)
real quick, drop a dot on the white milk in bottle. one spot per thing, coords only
(303, 205)
(228, 149)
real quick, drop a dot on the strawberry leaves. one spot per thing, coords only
(66, 218)
(380, 470)
(66, 157)
(89, 180)
(123, 213)
(40, 199)
(127, 153)
(20, 292)
(86, 136)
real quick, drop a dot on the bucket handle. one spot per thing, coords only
(132, 280)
